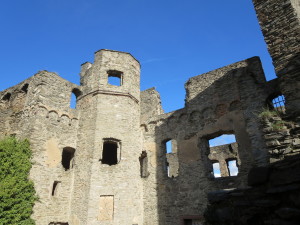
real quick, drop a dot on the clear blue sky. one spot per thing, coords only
(173, 39)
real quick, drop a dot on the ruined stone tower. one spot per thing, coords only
(109, 140)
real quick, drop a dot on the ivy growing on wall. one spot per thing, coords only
(17, 194)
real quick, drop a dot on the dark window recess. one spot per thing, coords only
(67, 157)
(55, 186)
(188, 222)
(279, 103)
(6, 97)
(115, 77)
(110, 153)
(25, 88)
(144, 164)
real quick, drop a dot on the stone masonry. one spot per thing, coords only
(106, 160)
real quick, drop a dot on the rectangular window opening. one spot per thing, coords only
(216, 169)
(55, 188)
(110, 153)
(171, 164)
(223, 154)
(279, 104)
(169, 146)
(188, 222)
(168, 169)
(222, 140)
(67, 157)
(115, 77)
(232, 167)
(192, 222)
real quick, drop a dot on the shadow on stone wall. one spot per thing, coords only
(272, 198)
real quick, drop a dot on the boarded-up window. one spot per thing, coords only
(106, 209)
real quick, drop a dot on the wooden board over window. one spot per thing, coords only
(106, 209)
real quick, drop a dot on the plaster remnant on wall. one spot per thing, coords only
(53, 153)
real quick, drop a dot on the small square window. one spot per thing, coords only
(115, 77)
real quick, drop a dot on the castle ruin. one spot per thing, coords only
(106, 161)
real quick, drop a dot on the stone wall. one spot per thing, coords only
(273, 197)
(282, 137)
(211, 110)
(79, 180)
(39, 109)
(280, 24)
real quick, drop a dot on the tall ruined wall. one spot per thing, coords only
(211, 109)
(280, 24)
(41, 112)
(12, 105)
(109, 193)
(53, 126)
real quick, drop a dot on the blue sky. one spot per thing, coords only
(173, 39)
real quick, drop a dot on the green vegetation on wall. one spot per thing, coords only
(17, 194)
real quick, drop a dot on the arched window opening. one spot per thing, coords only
(74, 95)
(278, 103)
(232, 167)
(115, 77)
(6, 97)
(73, 101)
(25, 88)
(67, 157)
(216, 169)
(110, 152)
(144, 164)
